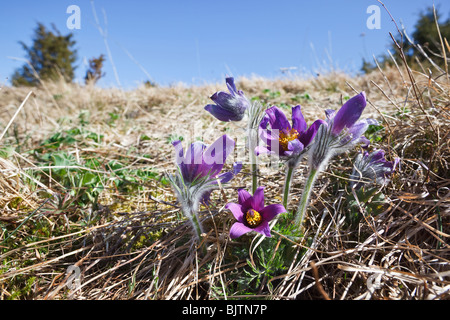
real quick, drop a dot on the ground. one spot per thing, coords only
(84, 188)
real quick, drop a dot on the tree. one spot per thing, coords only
(424, 40)
(94, 73)
(50, 57)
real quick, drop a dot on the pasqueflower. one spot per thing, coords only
(228, 106)
(342, 131)
(286, 141)
(198, 172)
(251, 213)
(371, 168)
(283, 139)
(232, 107)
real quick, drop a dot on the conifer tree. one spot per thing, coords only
(94, 73)
(50, 57)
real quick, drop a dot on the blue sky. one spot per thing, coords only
(201, 41)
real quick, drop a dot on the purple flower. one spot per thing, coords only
(372, 168)
(283, 139)
(251, 214)
(349, 113)
(228, 106)
(199, 173)
(342, 130)
(202, 162)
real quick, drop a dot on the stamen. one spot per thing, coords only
(286, 137)
(253, 218)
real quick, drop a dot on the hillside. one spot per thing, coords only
(83, 183)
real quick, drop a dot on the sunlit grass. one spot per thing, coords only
(82, 175)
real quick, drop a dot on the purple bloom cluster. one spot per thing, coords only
(200, 166)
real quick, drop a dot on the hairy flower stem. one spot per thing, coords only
(252, 144)
(197, 227)
(190, 212)
(254, 177)
(287, 184)
(304, 201)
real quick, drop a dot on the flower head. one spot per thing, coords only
(202, 162)
(228, 106)
(371, 168)
(283, 139)
(349, 113)
(198, 172)
(251, 214)
(342, 130)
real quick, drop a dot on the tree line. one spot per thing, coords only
(52, 57)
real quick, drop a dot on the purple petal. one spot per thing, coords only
(222, 114)
(178, 147)
(271, 211)
(192, 165)
(194, 154)
(364, 142)
(179, 159)
(264, 122)
(257, 201)
(238, 229)
(236, 210)
(277, 119)
(262, 150)
(232, 103)
(243, 196)
(358, 129)
(231, 86)
(377, 156)
(307, 137)
(222, 98)
(266, 134)
(237, 167)
(179, 153)
(216, 154)
(298, 121)
(226, 177)
(349, 113)
(294, 148)
(270, 138)
(264, 229)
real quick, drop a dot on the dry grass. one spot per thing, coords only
(134, 245)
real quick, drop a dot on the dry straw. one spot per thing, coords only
(135, 245)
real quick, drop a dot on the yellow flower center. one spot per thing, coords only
(287, 136)
(253, 218)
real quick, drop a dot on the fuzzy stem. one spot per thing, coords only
(254, 177)
(287, 184)
(309, 184)
(197, 226)
(191, 212)
(252, 144)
